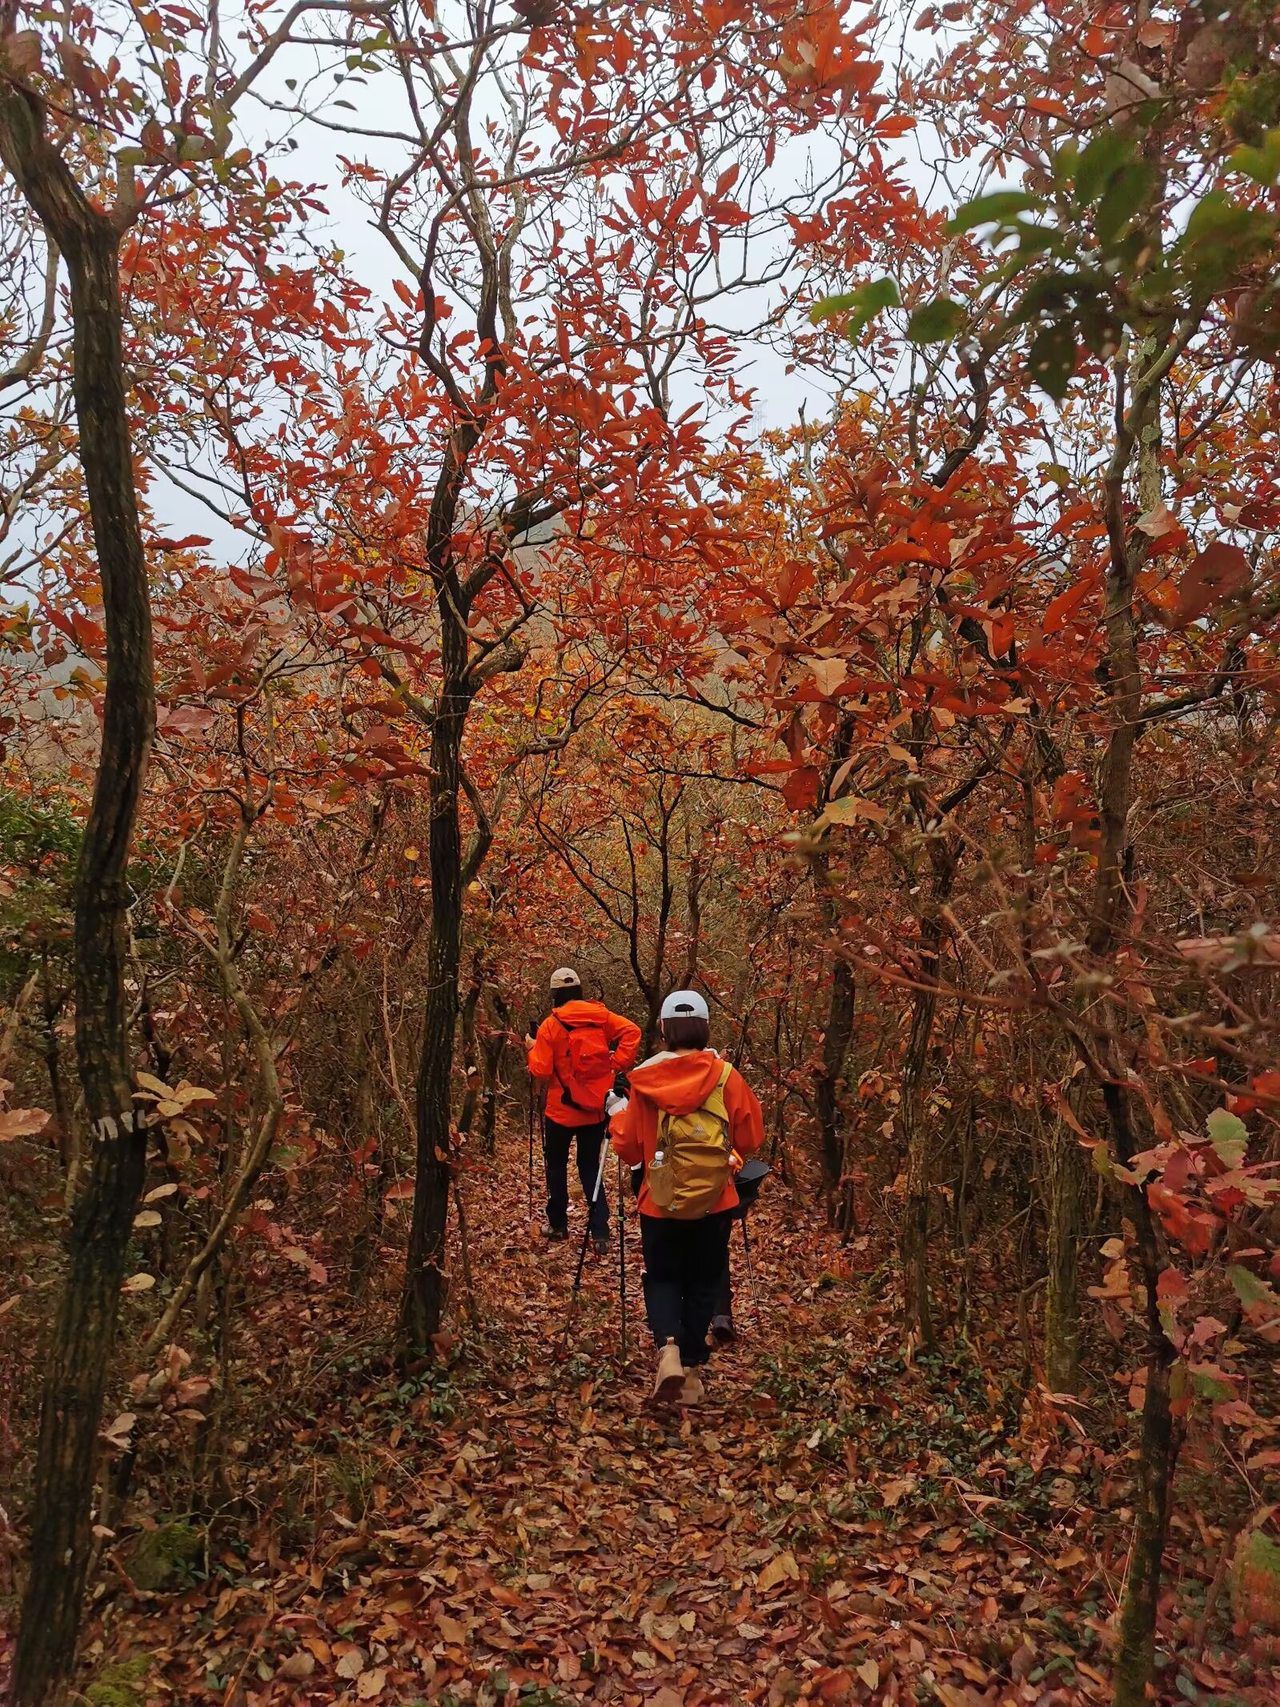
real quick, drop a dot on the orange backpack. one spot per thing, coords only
(591, 1069)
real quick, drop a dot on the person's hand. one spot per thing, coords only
(614, 1104)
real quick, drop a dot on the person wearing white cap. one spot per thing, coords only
(691, 1121)
(577, 1053)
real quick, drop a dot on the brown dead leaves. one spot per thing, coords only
(820, 1531)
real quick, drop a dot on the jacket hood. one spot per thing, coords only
(678, 1083)
(581, 1013)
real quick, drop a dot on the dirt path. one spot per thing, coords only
(830, 1525)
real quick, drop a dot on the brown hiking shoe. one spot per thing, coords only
(694, 1390)
(668, 1382)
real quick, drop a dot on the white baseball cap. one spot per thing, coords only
(684, 1004)
(565, 978)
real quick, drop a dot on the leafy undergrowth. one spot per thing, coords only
(835, 1524)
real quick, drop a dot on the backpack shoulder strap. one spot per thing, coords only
(715, 1103)
(555, 1071)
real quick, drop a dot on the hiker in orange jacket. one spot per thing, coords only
(577, 1053)
(691, 1121)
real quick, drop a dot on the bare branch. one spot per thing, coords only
(30, 359)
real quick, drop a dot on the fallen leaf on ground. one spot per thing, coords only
(781, 1568)
(351, 1664)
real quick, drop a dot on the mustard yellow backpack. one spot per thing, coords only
(690, 1167)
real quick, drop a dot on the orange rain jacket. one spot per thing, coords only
(679, 1083)
(548, 1054)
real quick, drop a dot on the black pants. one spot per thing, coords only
(684, 1263)
(556, 1140)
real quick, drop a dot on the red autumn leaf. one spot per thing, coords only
(1213, 576)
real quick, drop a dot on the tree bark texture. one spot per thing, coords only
(1137, 436)
(837, 1034)
(916, 1132)
(1064, 1177)
(1157, 1447)
(492, 1049)
(422, 1304)
(112, 1176)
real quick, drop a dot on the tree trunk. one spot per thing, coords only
(1063, 1171)
(470, 1064)
(918, 1316)
(364, 1241)
(917, 1313)
(841, 1005)
(836, 1037)
(492, 1049)
(965, 1207)
(1136, 1659)
(1157, 1448)
(1138, 432)
(80, 1353)
(69, 1147)
(693, 899)
(422, 1304)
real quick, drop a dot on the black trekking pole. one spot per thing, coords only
(531, 1097)
(751, 1176)
(535, 1096)
(582, 1252)
(622, 1260)
(751, 1279)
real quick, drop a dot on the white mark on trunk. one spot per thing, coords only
(110, 1126)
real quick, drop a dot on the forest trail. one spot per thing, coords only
(831, 1525)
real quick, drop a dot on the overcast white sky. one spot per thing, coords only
(378, 102)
